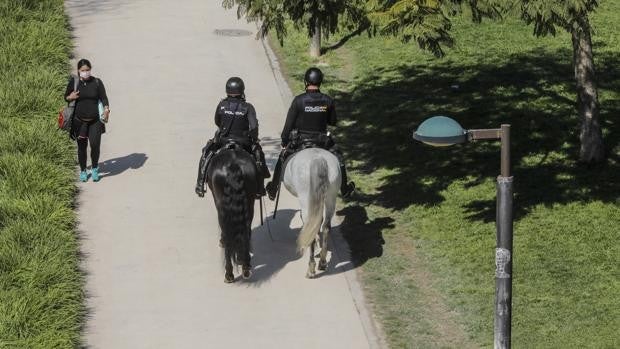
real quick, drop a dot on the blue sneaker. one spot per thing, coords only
(83, 176)
(95, 174)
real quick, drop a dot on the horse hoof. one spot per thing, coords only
(246, 274)
(322, 266)
(310, 275)
(229, 279)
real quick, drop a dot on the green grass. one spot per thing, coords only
(432, 283)
(41, 298)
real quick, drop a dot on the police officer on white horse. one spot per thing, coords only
(306, 123)
(237, 123)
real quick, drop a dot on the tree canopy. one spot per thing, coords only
(547, 15)
(327, 15)
(426, 22)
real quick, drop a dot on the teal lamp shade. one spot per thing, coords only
(440, 131)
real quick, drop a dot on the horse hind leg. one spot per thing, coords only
(330, 208)
(246, 269)
(323, 254)
(247, 272)
(311, 264)
(229, 277)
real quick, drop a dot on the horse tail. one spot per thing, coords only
(233, 214)
(319, 182)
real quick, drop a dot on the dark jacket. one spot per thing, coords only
(91, 92)
(236, 119)
(309, 112)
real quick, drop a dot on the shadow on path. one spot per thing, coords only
(272, 252)
(119, 165)
(352, 243)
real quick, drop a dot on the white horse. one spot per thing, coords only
(313, 176)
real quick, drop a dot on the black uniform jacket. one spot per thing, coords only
(236, 119)
(309, 112)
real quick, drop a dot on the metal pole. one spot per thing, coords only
(260, 203)
(503, 250)
(275, 210)
(505, 137)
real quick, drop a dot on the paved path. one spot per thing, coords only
(155, 269)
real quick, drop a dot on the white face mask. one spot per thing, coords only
(85, 74)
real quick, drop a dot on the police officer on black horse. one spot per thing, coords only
(306, 123)
(237, 123)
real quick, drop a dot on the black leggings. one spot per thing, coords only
(93, 136)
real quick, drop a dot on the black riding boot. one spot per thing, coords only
(261, 164)
(202, 169)
(274, 185)
(260, 186)
(346, 188)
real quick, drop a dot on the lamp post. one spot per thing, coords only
(443, 131)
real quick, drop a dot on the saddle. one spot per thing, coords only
(231, 144)
(301, 140)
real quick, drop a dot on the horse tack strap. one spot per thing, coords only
(228, 126)
(232, 120)
(285, 162)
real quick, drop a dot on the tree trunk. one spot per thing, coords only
(315, 41)
(591, 137)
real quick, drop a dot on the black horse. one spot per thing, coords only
(232, 177)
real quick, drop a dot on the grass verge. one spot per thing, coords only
(432, 283)
(41, 299)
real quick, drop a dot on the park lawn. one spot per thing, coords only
(41, 296)
(432, 283)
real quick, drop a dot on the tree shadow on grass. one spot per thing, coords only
(534, 92)
(345, 38)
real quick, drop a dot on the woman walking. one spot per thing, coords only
(88, 118)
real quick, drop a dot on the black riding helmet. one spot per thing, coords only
(313, 76)
(235, 86)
